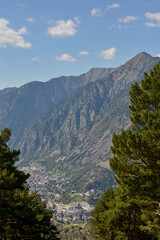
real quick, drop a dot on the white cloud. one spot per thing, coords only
(114, 5)
(152, 25)
(30, 19)
(153, 16)
(66, 57)
(64, 29)
(158, 55)
(35, 59)
(83, 53)
(112, 26)
(96, 12)
(109, 53)
(50, 21)
(22, 5)
(127, 19)
(10, 36)
(22, 31)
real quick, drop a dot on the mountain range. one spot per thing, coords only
(66, 124)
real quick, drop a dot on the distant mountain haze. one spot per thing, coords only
(6, 90)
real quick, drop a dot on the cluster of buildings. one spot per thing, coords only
(38, 180)
(73, 212)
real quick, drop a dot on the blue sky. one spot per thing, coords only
(42, 39)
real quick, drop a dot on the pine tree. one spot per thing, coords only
(22, 214)
(136, 152)
(136, 164)
(118, 217)
(103, 225)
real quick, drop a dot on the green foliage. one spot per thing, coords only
(22, 214)
(72, 231)
(132, 211)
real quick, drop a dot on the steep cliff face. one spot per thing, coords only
(22, 105)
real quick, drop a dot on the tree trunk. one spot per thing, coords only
(129, 225)
(135, 224)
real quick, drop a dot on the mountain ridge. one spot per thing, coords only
(27, 102)
(71, 124)
(74, 135)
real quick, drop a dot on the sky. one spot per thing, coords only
(44, 39)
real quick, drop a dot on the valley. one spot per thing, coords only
(65, 126)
